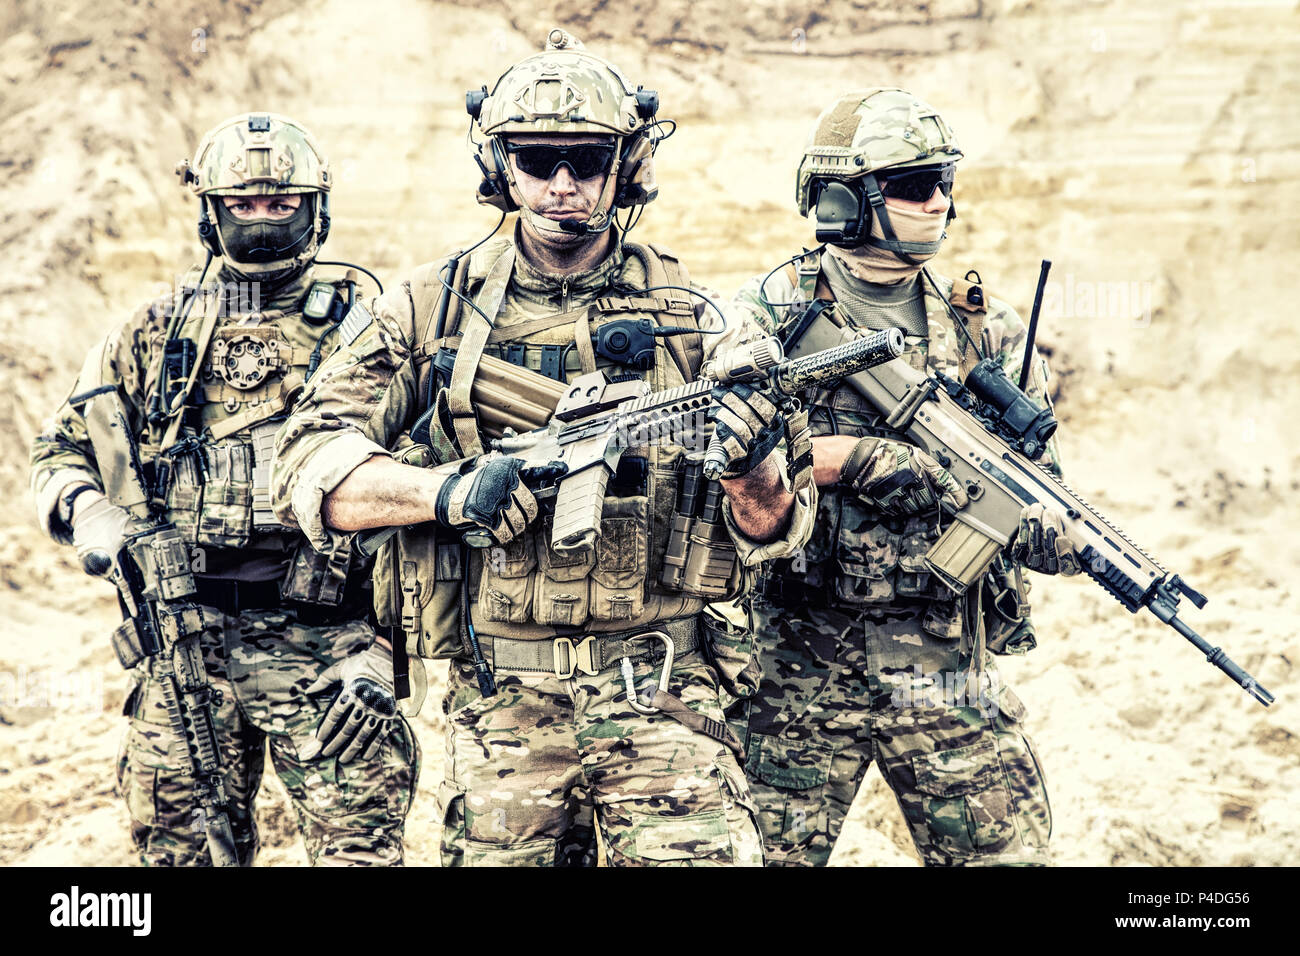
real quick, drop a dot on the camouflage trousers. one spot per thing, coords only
(841, 689)
(259, 663)
(532, 771)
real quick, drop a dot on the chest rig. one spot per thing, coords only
(526, 589)
(216, 439)
(855, 556)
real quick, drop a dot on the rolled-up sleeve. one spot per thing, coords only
(354, 407)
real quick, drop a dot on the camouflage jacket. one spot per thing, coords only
(854, 555)
(366, 397)
(249, 376)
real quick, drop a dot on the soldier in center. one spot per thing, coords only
(548, 735)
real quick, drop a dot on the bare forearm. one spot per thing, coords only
(829, 454)
(760, 503)
(381, 493)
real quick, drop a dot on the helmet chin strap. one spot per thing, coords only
(277, 270)
(891, 242)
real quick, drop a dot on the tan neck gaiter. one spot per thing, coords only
(883, 267)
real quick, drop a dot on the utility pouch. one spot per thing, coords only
(417, 579)
(226, 512)
(561, 594)
(866, 553)
(505, 593)
(1007, 622)
(417, 590)
(618, 580)
(316, 578)
(729, 645)
(128, 645)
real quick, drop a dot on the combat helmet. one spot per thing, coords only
(260, 154)
(565, 89)
(856, 137)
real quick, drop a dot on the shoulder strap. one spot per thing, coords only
(813, 298)
(968, 298)
(459, 404)
(663, 268)
(212, 308)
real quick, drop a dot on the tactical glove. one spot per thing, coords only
(98, 532)
(1041, 543)
(899, 479)
(494, 496)
(747, 424)
(363, 710)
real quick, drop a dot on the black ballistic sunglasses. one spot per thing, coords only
(916, 185)
(584, 160)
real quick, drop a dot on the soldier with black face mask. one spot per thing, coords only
(205, 379)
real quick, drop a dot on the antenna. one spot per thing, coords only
(1033, 324)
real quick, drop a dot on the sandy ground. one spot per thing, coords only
(1150, 150)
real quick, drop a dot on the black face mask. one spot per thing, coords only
(266, 240)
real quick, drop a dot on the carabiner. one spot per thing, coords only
(665, 672)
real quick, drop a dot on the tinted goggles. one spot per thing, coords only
(916, 185)
(584, 160)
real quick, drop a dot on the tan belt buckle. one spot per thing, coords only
(580, 656)
(665, 671)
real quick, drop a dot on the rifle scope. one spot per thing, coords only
(1014, 412)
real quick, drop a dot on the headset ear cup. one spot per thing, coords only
(494, 190)
(208, 229)
(324, 201)
(636, 178)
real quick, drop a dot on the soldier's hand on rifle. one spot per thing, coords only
(364, 707)
(495, 496)
(1041, 543)
(899, 479)
(746, 424)
(98, 530)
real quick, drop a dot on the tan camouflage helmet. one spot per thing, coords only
(869, 130)
(258, 154)
(565, 89)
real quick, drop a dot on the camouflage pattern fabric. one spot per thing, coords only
(539, 742)
(662, 795)
(880, 668)
(840, 690)
(259, 663)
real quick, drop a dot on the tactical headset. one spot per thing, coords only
(844, 209)
(632, 167)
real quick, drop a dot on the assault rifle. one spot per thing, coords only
(985, 431)
(596, 421)
(161, 622)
